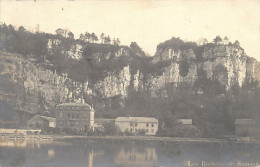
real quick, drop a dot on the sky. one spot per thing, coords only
(147, 22)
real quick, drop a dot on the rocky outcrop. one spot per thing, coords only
(228, 64)
(42, 88)
(115, 84)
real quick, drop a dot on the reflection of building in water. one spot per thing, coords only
(136, 157)
(13, 143)
(51, 153)
(22, 143)
(91, 156)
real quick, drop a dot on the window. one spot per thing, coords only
(135, 124)
(152, 125)
(147, 130)
(131, 124)
(131, 130)
(147, 124)
(68, 115)
(152, 130)
(60, 114)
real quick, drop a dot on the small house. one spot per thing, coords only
(41, 122)
(245, 127)
(137, 124)
(185, 122)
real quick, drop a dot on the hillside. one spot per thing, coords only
(39, 71)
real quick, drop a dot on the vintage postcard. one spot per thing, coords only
(111, 83)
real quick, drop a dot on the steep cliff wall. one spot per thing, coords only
(225, 63)
(114, 73)
(42, 88)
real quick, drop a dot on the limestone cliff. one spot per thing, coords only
(42, 89)
(32, 86)
(228, 64)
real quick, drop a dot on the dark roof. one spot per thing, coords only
(185, 121)
(136, 119)
(76, 106)
(245, 121)
(103, 120)
(42, 117)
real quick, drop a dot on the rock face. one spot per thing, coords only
(39, 84)
(115, 84)
(42, 89)
(228, 64)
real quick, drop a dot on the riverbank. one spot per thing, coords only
(160, 139)
(131, 138)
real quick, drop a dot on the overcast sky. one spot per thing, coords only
(147, 22)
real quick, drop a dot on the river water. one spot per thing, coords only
(107, 153)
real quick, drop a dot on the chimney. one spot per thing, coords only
(82, 98)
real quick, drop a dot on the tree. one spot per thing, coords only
(87, 37)
(118, 41)
(11, 28)
(111, 129)
(114, 41)
(81, 37)
(102, 37)
(202, 41)
(66, 31)
(237, 43)
(60, 32)
(217, 40)
(93, 37)
(137, 49)
(71, 35)
(107, 40)
(21, 29)
(226, 40)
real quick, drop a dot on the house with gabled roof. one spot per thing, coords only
(137, 124)
(75, 116)
(41, 122)
(245, 127)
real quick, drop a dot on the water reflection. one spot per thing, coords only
(51, 153)
(136, 156)
(13, 143)
(82, 153)
(93, 154)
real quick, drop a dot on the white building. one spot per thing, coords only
(185, 121)
(137, 124)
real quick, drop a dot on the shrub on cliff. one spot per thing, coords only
(177, 44)
(184, 68)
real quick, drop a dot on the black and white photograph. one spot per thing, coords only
(129, 83)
